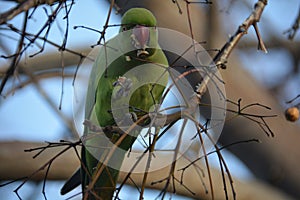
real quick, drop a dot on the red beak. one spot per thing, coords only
(140, 38)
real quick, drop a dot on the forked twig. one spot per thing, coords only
(221, 58)
(47, 165)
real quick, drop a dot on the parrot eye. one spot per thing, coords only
(126, 27)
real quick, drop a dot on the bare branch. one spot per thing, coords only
(293, 30)
(221, 58)
(13, 167)
(23, 6)
(16, 58)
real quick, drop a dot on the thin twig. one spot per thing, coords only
(221, 58)
(293, 30)
(23, 6)
(16, 58)
(49, 162)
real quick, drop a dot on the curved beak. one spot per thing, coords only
(140, 37)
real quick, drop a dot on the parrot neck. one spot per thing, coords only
(129, 61)
(131, 56)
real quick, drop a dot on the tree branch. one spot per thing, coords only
(293, 30)
(221, 58)
(16, 163)
(23, 6)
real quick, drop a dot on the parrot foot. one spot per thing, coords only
(123, 86)
(128, 119)
(92, 127)
(198, 87)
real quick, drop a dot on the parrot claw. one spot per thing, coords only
(124, 85)
(133, 116)
(197, 86)
(128, 119)
(92, 127)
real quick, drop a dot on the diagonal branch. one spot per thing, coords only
(293, 30)
(221, 58)
(23, 6)
(16, 58)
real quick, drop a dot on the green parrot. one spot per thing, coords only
(126, 82)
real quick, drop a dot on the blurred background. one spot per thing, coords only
(36, 101)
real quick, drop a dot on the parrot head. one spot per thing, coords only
(140, 24)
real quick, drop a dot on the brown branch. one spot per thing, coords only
(221, 58)
(261, 45)
(49, 61)
(41, 76)
(19, 53)
(15, 61)
(226, 52)
(15, 163)
(68, 122)
(293, 30)
(32, 37)
(102, 37)
(271, 154)
(23, 6)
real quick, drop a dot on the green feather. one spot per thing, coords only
(115, 59)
